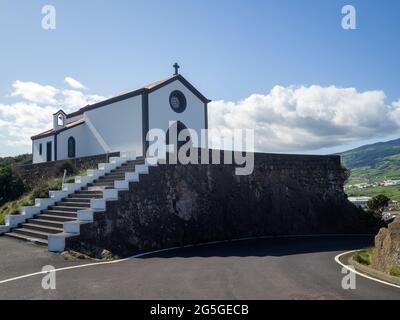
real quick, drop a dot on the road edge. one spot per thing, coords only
(354, 270)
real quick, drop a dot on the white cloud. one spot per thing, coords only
(395, 112)
(35, 92)
(19, 121)
(287, 119)
(74, 99)
(75, 84)
(299, 118)
(34, 113)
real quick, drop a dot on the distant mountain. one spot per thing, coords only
(378, 161)
(370, 155)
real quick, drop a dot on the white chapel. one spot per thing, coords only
(121, 123)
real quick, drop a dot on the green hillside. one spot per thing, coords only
(370, 155)
(375, 162)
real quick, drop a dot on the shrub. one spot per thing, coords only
(70, 180)
(395, 271)
(364, 256)
(67, 165)
(42, 190)
(13, 207)
(11, 185)
(377, 205)
(82, 173)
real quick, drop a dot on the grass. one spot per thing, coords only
(28, 199)
(396, 207)
(71, 179)
(392, 192)
(12, 207)
(364, 256)
(395, 271)
(356, 180)
(40, 191)
(82, 173)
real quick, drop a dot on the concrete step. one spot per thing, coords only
(31, 233)
(41, 228)
(97, 195)
(124, 165)
(137, 160)
(67, 208)
(77, 200)
(123, 169)
(27, 238)
(102, 181)
(110, 180)
(60, 213)
(67, 203)
(46, 223)
(85, 192)
(116, 175)
(99, 187)
(101, 184)
(133, 162)
(55, 218)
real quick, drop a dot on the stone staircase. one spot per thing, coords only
(62, 218)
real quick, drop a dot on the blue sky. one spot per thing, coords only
(228, 49)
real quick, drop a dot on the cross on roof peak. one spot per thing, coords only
(176, 67)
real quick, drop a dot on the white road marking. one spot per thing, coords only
(173, 248)
(337, 259)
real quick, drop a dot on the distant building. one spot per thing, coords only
(359, 201)
(361, 186)
(390, 183)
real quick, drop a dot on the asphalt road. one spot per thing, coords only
(285, 268)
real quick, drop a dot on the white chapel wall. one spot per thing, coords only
(119, 125)
(85, 143)
(160, 112)
(37, 158)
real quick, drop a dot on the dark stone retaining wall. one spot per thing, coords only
(178, 205)
(34, 174)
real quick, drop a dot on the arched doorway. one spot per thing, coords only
(71, 147)
(172, 137)
(177, 127)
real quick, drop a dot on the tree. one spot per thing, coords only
(377, 204)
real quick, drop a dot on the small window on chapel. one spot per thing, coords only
(60, 120)
(71, 147)
(40, 149)
(177, 101)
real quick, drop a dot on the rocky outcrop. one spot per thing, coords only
(386, 254)
(186, 204)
